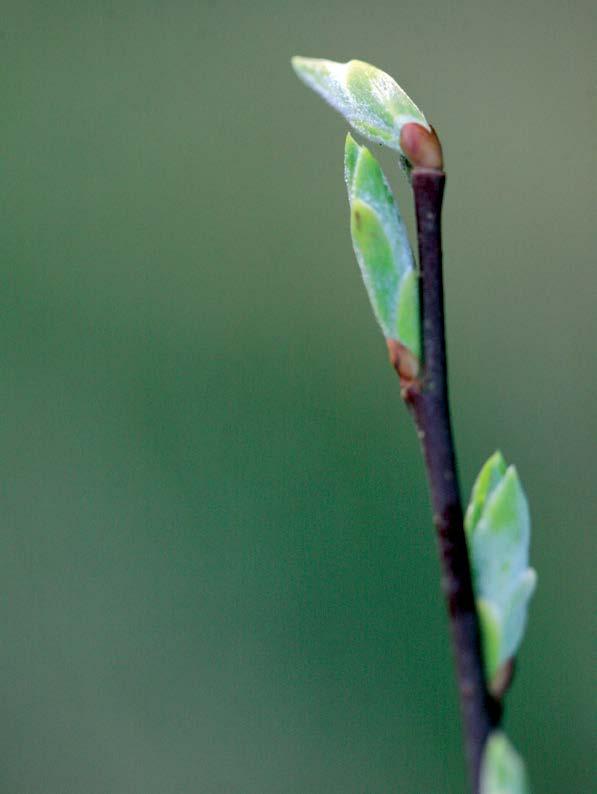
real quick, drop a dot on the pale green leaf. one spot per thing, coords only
(490, 621)
(408, 323)
(498, 527)
(500, 539)
(374, 254)
(502, 769)
(489, 476)
(381, 246)
(371, 101)
(515, 613)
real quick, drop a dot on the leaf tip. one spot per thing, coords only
(497, 460)
(312, 70)
(303, 67)
(512, 478)
(502, 769)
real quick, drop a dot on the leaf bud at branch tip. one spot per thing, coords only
(421, 147)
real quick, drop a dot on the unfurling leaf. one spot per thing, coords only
(502, 770)
(381, 246)
(498, 528)
(371, 101)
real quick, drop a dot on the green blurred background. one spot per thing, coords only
(217, 567)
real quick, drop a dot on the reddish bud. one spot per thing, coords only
(421, 147)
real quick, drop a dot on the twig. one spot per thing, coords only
(427, 397)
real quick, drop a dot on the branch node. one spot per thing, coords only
(502, 681)
(407, 367)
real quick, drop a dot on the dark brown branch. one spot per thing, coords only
(427, 397)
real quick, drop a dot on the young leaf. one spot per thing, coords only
(489, 476)
(515, 612)
(408, 329)
(502, 769)
(500, 539)
(497, 525)
(381, 247)
(490, 621)
(371, 101)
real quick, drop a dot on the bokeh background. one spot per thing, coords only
(217, 568)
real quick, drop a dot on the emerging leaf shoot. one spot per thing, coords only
(497, 522)
(371, 100)
(503, 770)
(381, 246)
(498, 528)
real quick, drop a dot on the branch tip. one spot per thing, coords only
(421, 147)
